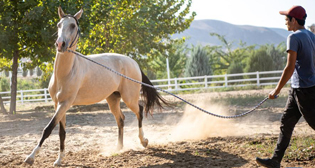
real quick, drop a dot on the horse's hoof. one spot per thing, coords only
(119, 147)
(29, 160)
(145, 142)
(57, 163)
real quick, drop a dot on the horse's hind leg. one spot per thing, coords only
(143, 140)
(114, 104)
(133, 104)
(62, 136)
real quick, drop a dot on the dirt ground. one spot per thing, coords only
(178, 137)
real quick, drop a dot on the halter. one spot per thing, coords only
(78, 32)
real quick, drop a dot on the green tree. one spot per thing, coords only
(235, 67)
(260, 61)
(26, 29)
(222, 57)
(177, 56)
(136, 28)
(278, 55)
(198, 63)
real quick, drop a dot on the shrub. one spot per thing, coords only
(198, 64)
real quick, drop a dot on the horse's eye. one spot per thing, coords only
(58, 25)
(72, 26)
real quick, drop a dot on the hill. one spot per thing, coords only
(199, 33)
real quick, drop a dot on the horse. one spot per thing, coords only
(77, 81)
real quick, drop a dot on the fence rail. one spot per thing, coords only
(174, 84)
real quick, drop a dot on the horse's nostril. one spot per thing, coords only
(56, 44)
(63, 44)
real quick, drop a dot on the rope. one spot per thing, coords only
(207, 112)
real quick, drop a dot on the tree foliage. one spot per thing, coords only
(259, 60)
(278, 55)
(198, 63)
(177, 56)
(235, 67)
(136, 28)
(224, 56)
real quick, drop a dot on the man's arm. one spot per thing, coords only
(286, 75)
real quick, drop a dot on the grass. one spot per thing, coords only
(301, 148)
(115, 154)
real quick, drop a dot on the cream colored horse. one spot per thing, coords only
(76, 81)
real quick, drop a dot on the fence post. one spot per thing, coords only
(257, 76)
(176, 87)
(206, 82)
(226, 80)
(45, 92)
(22, 101)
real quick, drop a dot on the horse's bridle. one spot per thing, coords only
(77, 36)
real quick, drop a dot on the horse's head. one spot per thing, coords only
(68, 30)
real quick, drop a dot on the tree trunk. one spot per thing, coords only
(14, 82)
(2, 109)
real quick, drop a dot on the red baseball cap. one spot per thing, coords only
(297, 12)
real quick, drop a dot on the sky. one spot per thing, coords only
(263, 13)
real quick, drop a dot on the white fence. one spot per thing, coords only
(24, 96)
(174, 84)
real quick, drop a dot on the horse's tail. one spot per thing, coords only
(151, 96)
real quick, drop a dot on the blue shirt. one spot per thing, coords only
(303, 43)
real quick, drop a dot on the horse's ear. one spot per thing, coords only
(60, 12)
(78, 14)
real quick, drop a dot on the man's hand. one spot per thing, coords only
(273, 94)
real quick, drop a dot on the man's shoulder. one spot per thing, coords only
(301, 34)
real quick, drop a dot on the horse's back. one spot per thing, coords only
(118, 62)
(98, 82)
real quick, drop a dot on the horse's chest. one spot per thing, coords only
(61, 90)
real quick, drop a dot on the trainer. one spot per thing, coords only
(300, 68)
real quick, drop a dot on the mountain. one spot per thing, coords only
(199, 33)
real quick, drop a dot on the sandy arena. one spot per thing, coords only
(178, 137)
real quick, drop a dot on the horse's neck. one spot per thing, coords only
(64, 63)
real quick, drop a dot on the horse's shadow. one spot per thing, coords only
(209, 158)
(190, 158)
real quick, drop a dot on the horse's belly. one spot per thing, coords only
(92, 96)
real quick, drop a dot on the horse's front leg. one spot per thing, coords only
(62, 136)
(59, 114)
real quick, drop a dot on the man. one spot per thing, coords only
(312, 28)
(301, 66)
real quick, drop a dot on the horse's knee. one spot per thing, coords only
(46, 133)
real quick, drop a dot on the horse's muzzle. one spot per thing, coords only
(61, 44)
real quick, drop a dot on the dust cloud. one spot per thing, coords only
(195, 124)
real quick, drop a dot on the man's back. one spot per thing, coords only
(303, 43)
